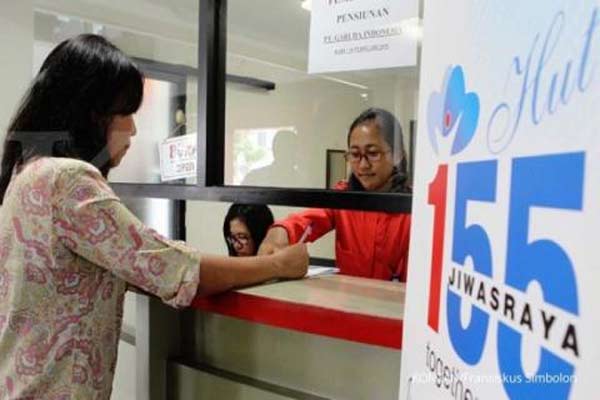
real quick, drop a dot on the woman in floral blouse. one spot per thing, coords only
(68, 246)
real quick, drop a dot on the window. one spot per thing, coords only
(162, 37)
(269, 41)
(257, 151)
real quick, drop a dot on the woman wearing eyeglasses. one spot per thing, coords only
(367, 243)
(245, 227)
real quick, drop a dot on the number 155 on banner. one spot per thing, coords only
(549, 181)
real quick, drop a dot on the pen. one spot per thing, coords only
(305, 234)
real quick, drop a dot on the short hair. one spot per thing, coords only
(257, 217)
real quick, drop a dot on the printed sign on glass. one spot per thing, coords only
(347, 35)
(178, 158)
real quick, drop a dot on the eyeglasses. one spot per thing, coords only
(241, 239)
(371, 156)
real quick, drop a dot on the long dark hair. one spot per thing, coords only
(81, 86)
(391, 131)
(257, 217)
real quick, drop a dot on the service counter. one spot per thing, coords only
(324, 337)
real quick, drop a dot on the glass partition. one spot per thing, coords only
(285, 136)
(162, 37)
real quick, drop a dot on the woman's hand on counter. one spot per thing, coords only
(219, 273)
(292, 261)
(275, 240)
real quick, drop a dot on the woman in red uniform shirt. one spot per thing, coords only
(367, 243)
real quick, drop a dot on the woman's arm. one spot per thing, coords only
(292, 229)
(276, 239)
(92, 222)
(219, 273)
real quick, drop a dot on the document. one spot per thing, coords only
(316, 271)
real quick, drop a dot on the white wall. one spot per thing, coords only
(321, 112)
(16, 55)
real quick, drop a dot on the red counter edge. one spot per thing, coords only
(361, 328)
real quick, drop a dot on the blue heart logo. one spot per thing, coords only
(453, 110)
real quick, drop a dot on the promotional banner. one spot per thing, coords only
(348, 35)
(503, 293)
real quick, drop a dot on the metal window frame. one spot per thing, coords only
(211, 74)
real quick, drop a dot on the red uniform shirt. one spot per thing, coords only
(370, 244)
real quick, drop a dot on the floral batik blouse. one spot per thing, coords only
(68, 247)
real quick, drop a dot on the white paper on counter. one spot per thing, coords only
(316, 271)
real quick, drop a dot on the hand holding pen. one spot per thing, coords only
(277, 238)
(306, 233)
